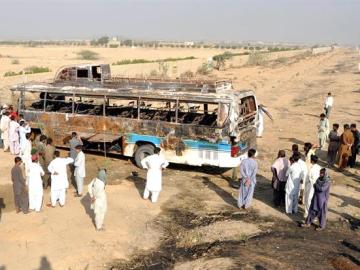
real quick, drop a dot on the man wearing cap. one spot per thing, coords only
(97, 193)
(79, 172)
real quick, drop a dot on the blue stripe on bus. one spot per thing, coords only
(192, 144)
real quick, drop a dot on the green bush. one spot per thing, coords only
(114, 46)
(12, 73)
(257, 59)
(144, 61)
(36, 69)
(15, 62)
(88, 55)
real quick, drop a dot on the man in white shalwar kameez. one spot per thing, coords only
(292, 188)
(35, 184)
(23, 130)
(59, 178)
(4, 125)
(313, 175)
(97, 193)
(154, 164)
(25, 153)
(14, 139)
(323, 130)
(79, 172)
(260, 125)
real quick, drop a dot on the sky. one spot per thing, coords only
(300, 21)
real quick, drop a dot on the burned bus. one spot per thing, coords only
(194, 126)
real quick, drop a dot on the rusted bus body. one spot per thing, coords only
(99, 75)
(219, 136)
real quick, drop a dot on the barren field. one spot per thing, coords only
(196, 224)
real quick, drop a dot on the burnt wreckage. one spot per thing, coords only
(121, 115)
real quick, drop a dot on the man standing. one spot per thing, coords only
(154, 164)
(79, 172)
(35, 184)
(40, 147)
(19, 186)
(74, 141)
(294, 175)
(23, 130)
(355, 146)
(319, 202)
(49, 155)
(346, 142)
(329, 101)
(333, 145)
(14, 136)
(97, 193)
(313, 175)
(25, 153)
(4, 125)
(260, 125)
(59, 179)
(248, 171)
(279, 169)
(323, 130)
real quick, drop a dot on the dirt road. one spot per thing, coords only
(196, 224)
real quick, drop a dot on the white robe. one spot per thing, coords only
(80, 165)
(313, 175)
(4, 125)
(305, 172)
(22, 133)
(14, 131)
(26, 156)
(260, 126)
(96, 190)
(60, 180)
(295, 174)
(35, 186)
(154, 164)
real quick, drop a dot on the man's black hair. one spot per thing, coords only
(251, 152)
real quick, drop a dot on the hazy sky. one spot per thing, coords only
(313, 21)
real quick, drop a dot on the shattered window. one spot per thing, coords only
(157, 110)
(83, 73)
(247, 106)
(33, 101)
(58, 103)
(126, 108)
(198, 113)
(89, 105)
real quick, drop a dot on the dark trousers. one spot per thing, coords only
(279, 194)
(352, 160)
(22, 202)
(331, 158)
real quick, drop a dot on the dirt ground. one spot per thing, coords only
(196, 224)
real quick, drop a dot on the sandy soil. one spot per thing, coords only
(196, 202)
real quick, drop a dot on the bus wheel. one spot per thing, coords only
(142, 152)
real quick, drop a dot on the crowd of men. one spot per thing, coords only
(299, 178)
(38, 166)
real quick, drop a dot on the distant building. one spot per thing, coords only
(114, 42)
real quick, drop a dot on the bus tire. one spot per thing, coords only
(142, 152)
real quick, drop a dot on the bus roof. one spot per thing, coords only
(224, 95)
